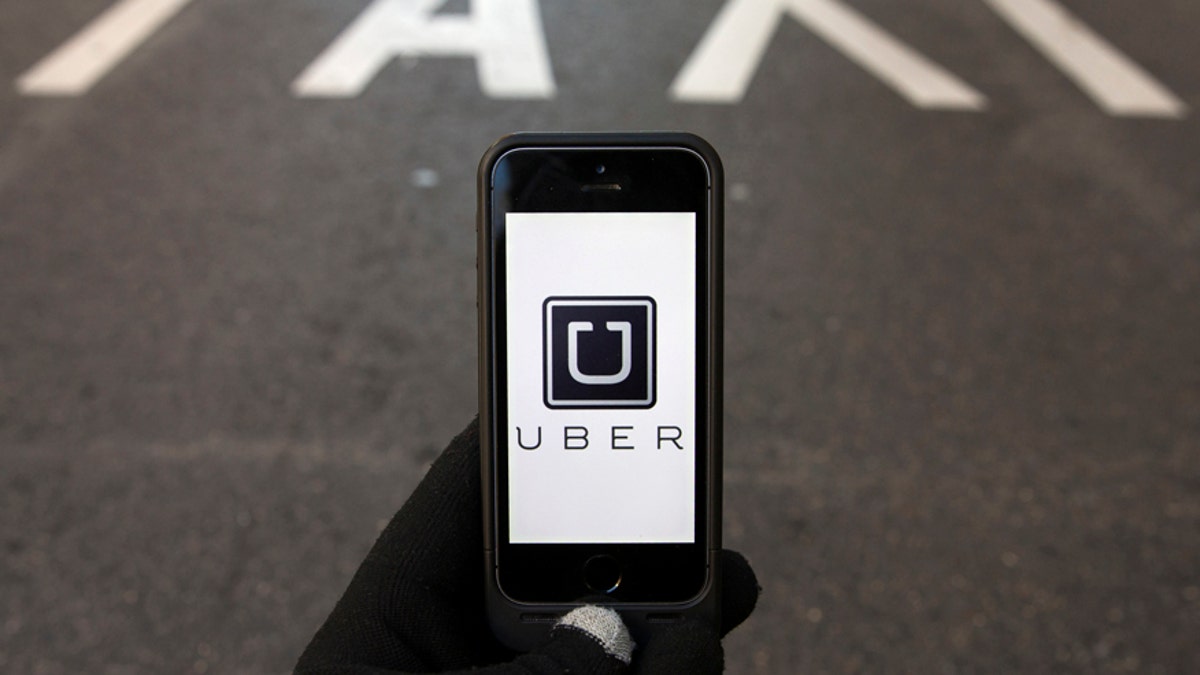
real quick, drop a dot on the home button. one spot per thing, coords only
(602, 573)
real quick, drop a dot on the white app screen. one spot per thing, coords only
(601, 365)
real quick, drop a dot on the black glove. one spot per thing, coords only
(416, 603)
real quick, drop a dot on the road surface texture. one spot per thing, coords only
(963, 330)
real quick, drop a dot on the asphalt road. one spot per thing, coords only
(963, 342)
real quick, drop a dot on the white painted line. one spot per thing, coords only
(91, 53)
(720, 69)
(1111, 79)
(924, 83)
(504, 36)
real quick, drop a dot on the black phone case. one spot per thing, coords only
(523, 626)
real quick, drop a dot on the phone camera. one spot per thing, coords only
(600, 168)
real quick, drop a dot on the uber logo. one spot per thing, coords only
(599, 352)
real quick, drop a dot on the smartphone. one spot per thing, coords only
(600, 285)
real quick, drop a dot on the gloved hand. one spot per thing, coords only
(416, 603)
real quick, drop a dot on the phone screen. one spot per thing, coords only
(599, 354)
(601, 363)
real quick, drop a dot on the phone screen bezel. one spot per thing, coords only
(634, 179)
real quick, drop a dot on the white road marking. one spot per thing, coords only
(720, 69)
(504, 36)
(507, 41)
(91, 53)
(1112, 80)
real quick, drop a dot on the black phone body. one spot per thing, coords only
(600, 286)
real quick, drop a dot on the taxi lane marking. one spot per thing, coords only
(504, 36)
(90, 54)
(1117, 84)
(722, 65)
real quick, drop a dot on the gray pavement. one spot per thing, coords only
(963, 347)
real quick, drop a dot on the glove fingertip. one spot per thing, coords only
(589, 640)
(604, 626)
